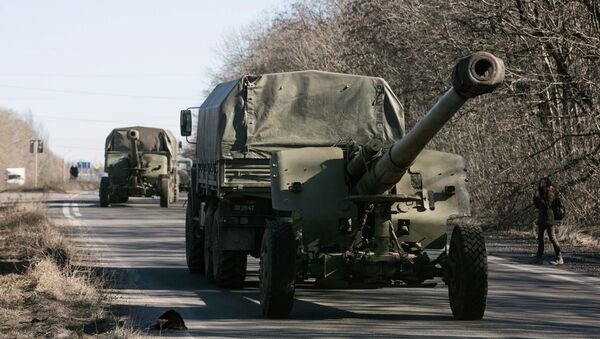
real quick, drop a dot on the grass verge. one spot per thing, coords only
(57, 187)
(42, 292)
(566, 234)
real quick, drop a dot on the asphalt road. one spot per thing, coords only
(144, 245)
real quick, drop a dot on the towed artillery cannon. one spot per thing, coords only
(374, 228)
(140, 162)
(350, 198)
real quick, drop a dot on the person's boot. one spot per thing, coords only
(558, 261)
(537, 261)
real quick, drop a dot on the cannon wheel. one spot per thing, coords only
(208, 261)
(277, 270)
(194, 245)
(229, 267)
(164, 192)
(104, 196)
(467, 283)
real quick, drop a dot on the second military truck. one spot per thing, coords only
(313, 173)
(140, 162)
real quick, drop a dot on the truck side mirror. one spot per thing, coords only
(185, 122)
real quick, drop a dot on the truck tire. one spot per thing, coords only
(165, 199)
(467, 283)
(104, 195)
(277, 270)
(194, 245)
(208, 261)
(229, 267)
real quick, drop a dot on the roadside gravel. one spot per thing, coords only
(521, 247)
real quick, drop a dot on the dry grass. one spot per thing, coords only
(42, 292)
(566, 234)
(65, 285)
(579, 239)
(58, 187)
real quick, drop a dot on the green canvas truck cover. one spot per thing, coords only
(151, 140)
(254, 116)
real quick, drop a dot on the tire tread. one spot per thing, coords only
(194, 245)
(278, 294)
(471, 243)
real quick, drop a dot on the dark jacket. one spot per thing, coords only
(544, 201)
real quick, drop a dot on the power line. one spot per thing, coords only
(98, 93)
(68, 119)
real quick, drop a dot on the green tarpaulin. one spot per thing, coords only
(151, 140)
(254, 116)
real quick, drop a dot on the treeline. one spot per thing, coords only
(15, 134)
(544, 122)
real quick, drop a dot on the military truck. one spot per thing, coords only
(184, 167)
(313, 173)
(140, 162)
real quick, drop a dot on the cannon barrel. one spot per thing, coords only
(134, 135)
(474, 75)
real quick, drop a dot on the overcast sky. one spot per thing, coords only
(84, 67)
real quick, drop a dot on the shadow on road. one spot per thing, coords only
(220, 304)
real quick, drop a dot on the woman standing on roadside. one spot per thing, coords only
(544, 199)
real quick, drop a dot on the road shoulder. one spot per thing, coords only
(520, 247)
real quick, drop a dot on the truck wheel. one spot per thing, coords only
(467, 266)
(104, 196)
(277, 270)
(164, 192)
(194, 245)
(208, 261)
(229, 267)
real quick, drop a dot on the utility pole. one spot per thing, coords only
(36, 146)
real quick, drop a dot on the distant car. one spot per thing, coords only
(15, 176)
